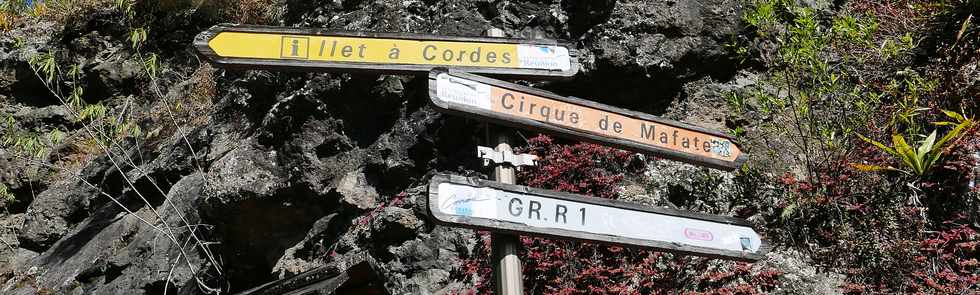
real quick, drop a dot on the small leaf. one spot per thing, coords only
(954, 115)
(879, 145)
(56, 136)
(953, 134)
(74, 71)
(870, 168)
(963, 27)
(926, 145)
(906, 153)
(933, 158)
(788, 211)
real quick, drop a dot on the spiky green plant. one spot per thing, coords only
(922, 157)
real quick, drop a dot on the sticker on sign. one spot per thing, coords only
(543, 57)
(495, 206)
(464, 92)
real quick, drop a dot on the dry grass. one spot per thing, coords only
(195, 108)
(190, 109)
(61, 10)
(53, 10)
(76, 155)
(6, 21)
(205, 88)
(251, 11)
(244, 11)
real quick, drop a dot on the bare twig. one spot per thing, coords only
(8, 245)
(99, 190)
(194, 161)
(166, 284)
(110, 155)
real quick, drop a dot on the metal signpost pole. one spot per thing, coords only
(506, 264)
(508, 279)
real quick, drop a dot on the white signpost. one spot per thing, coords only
(499, 207)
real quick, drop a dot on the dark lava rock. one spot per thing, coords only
(294, 171)
(52, 212)
(113, 252)
(394, 225)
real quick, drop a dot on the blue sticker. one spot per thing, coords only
(464, 209)
(721, 147)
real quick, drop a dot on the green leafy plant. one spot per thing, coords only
(923, 156)
(46, 64)
(736, 101)
(737, 131)
(762, 15)
(892, 48)
(14, 6)
(6, 198)
(855, 30)
(125, 6)
(137, 36)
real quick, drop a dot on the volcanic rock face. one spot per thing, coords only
(285, 172)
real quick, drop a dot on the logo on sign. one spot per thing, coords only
(697, 234)
(464, 209)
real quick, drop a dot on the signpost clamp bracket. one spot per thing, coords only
(489, 155)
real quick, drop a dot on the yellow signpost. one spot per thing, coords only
(313, 49)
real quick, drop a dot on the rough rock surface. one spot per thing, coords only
(800, 277)
(292, 170)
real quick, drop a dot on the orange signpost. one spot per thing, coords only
(515, 105)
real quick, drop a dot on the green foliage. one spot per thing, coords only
(14, 6)
(920, 159)
(6, 198)
(738, 50)
(834, 74)
(46, 65)
(813, 98)
(855, 30)
(27, 143)
(137, 37)
(126, 6)
(151, 66)
(735, 101)
(103, 127)
(92, 112)
(892, 48)
(737, 131)
(909, 93)
(763, 15)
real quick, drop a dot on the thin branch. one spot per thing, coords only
(8, 245)
(107, 151)
(166, 284)
(195, 161)
(89, 184)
